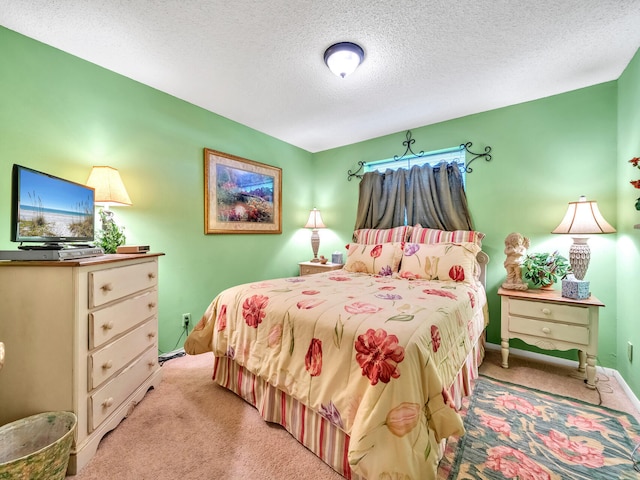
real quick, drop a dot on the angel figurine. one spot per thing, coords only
(515, 248)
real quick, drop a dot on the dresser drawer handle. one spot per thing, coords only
(546, 311)
(151, 305)
(546, 330)
(107, 325)
(107, 365)
(151, 363)
(107, 287)
(151, 335)
(108, 402)
(151, 275)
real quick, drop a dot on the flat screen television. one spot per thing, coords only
(50, 210)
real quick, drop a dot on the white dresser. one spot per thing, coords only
(82, 336)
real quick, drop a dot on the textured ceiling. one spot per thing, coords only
(260, 62)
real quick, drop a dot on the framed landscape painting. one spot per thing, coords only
(241, 196)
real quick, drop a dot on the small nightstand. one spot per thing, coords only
(548, 320)
(308, 268)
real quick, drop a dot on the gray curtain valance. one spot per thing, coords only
(432, 196)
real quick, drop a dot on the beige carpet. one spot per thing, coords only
(189, 428)
(561, 380)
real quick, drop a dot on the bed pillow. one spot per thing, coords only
(440, 261)
(370, 236)
(420, 234)
(380, 259)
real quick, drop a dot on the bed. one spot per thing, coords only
(365, 366)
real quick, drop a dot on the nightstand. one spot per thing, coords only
(548, 320)
(308, 268)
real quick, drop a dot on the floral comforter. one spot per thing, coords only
(371, 354)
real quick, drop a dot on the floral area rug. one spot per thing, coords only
(514, 432)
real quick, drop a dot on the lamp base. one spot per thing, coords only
(579, 257)
(315, 244)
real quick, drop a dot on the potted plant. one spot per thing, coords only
(111, 236)
(542, 270)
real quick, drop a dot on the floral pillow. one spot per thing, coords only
(440, 261)
(420, 234)
(372, 236)
(381, 259)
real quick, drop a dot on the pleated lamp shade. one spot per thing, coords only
(109, 189)
(582, 218)
(315, 220)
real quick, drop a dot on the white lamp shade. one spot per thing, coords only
(343, 58)
(315, 220)
(109, 189)
(583, 218)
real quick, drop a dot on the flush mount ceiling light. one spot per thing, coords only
(343, 58)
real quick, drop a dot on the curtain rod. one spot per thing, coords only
(410, 141)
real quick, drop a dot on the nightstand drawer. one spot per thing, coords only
(309, 268)
(549, 311)
(549, 330)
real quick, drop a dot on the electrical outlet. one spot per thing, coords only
(630, 351)
(186, 320)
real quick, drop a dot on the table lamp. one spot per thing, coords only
(315, 222)
(582, 218)
(108, 186)
(109, 191)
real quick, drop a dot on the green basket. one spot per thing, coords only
(37, 447)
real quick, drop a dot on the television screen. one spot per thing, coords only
(50, 210)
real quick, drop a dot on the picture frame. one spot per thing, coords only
(241, 196)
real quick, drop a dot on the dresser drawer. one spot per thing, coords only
(111, 396)
(549, 311)
(114, 283)
(111, 321)
(108, 360)
(549, 330)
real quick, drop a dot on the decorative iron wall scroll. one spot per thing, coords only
(409, 152)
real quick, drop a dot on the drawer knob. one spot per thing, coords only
(107, 287)
(107, 325)
(107, 365)
(546, 311)
(151, 275)
(152, 363)
(546, 330)
(151, 334)
(151, 305)
(108, 402)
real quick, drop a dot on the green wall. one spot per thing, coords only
(546, 153)
(628, 216)
(62, 115)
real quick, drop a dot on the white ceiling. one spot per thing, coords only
(260, 62)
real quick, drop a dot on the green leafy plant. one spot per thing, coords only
(111, 236)
(544, 269)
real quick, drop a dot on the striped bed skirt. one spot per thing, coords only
(324, 439)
